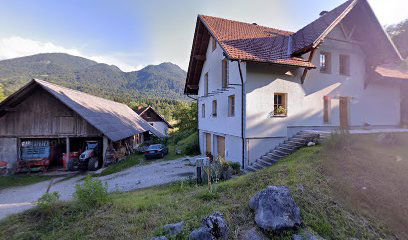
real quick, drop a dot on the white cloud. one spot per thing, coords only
(12, 47)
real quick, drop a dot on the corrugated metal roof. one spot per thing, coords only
(115, 120)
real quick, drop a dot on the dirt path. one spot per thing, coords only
(18, 199)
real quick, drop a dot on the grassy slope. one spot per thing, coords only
(140, 214)
(21, 180)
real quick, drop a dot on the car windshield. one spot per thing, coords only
(91, 145)
(155, 147)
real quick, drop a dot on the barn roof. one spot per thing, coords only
(255, 43)
(115, 120)
(142, 111)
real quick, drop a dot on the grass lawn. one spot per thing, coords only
(21, 180)
(141, 214)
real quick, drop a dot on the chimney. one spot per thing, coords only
(139, 107)
(323, 13)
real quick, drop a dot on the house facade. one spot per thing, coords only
(154, 119)
(256, 86)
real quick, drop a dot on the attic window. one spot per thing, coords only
(325, 62)
(344, 65)
(206, 84)
(225, 74)
(214, 43)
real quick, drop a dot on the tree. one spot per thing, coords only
(1, 93)
(186, 116)
(399, 35)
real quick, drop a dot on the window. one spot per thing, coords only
(326, 109)
(214, 108)
(203, 110)
(344, 65)
(206, 84)
(225, 73)
(231, 106)
(325, 62)
(214, 44)
(279, 105)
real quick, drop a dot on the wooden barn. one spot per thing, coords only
(58, 120)
(154, 119)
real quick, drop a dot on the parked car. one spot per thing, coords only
(156, 151)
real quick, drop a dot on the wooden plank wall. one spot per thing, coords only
(41, 114)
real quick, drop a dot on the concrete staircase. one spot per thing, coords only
(284, 149)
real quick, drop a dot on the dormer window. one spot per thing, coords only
(325, 62)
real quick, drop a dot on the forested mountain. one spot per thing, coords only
(399, 35)
(157, 85)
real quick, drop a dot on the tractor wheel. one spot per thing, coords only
(72, 164)
(93, 164)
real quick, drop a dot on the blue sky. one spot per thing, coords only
(132, 34)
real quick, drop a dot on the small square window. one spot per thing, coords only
(344, 65)
(225, 73)
(231, 106)
(280, 104)
(325, 62)
(214, 108)
(203, 110)
(213, 43)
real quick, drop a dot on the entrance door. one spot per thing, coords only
(221, 146)
(207, 143)
(344, 112)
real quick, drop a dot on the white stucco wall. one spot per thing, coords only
(161, 127)
(378, 104)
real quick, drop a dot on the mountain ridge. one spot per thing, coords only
(162, 81)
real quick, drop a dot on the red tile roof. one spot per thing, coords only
(251, 42)
(391, 72)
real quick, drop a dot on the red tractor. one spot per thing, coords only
(90, 159)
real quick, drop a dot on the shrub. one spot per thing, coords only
(48, 200)
(92, 193)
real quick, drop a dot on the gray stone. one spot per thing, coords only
(275, 209)
(174, 229)
(159, 238)
(310, 144)
(254, 234)
(201, 233)
(213, 227)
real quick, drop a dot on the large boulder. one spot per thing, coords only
(254, 234)
(174, 229)
(275, 209)
(213, 227)
(305, 235)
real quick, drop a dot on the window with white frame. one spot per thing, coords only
(325, 62)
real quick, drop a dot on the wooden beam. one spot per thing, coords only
(312, 53)
(200, 57)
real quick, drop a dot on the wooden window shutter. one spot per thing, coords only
(326, 109)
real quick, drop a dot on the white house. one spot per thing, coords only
(154, 119)
(256, 86)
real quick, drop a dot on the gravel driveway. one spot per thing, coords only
(18, 199)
